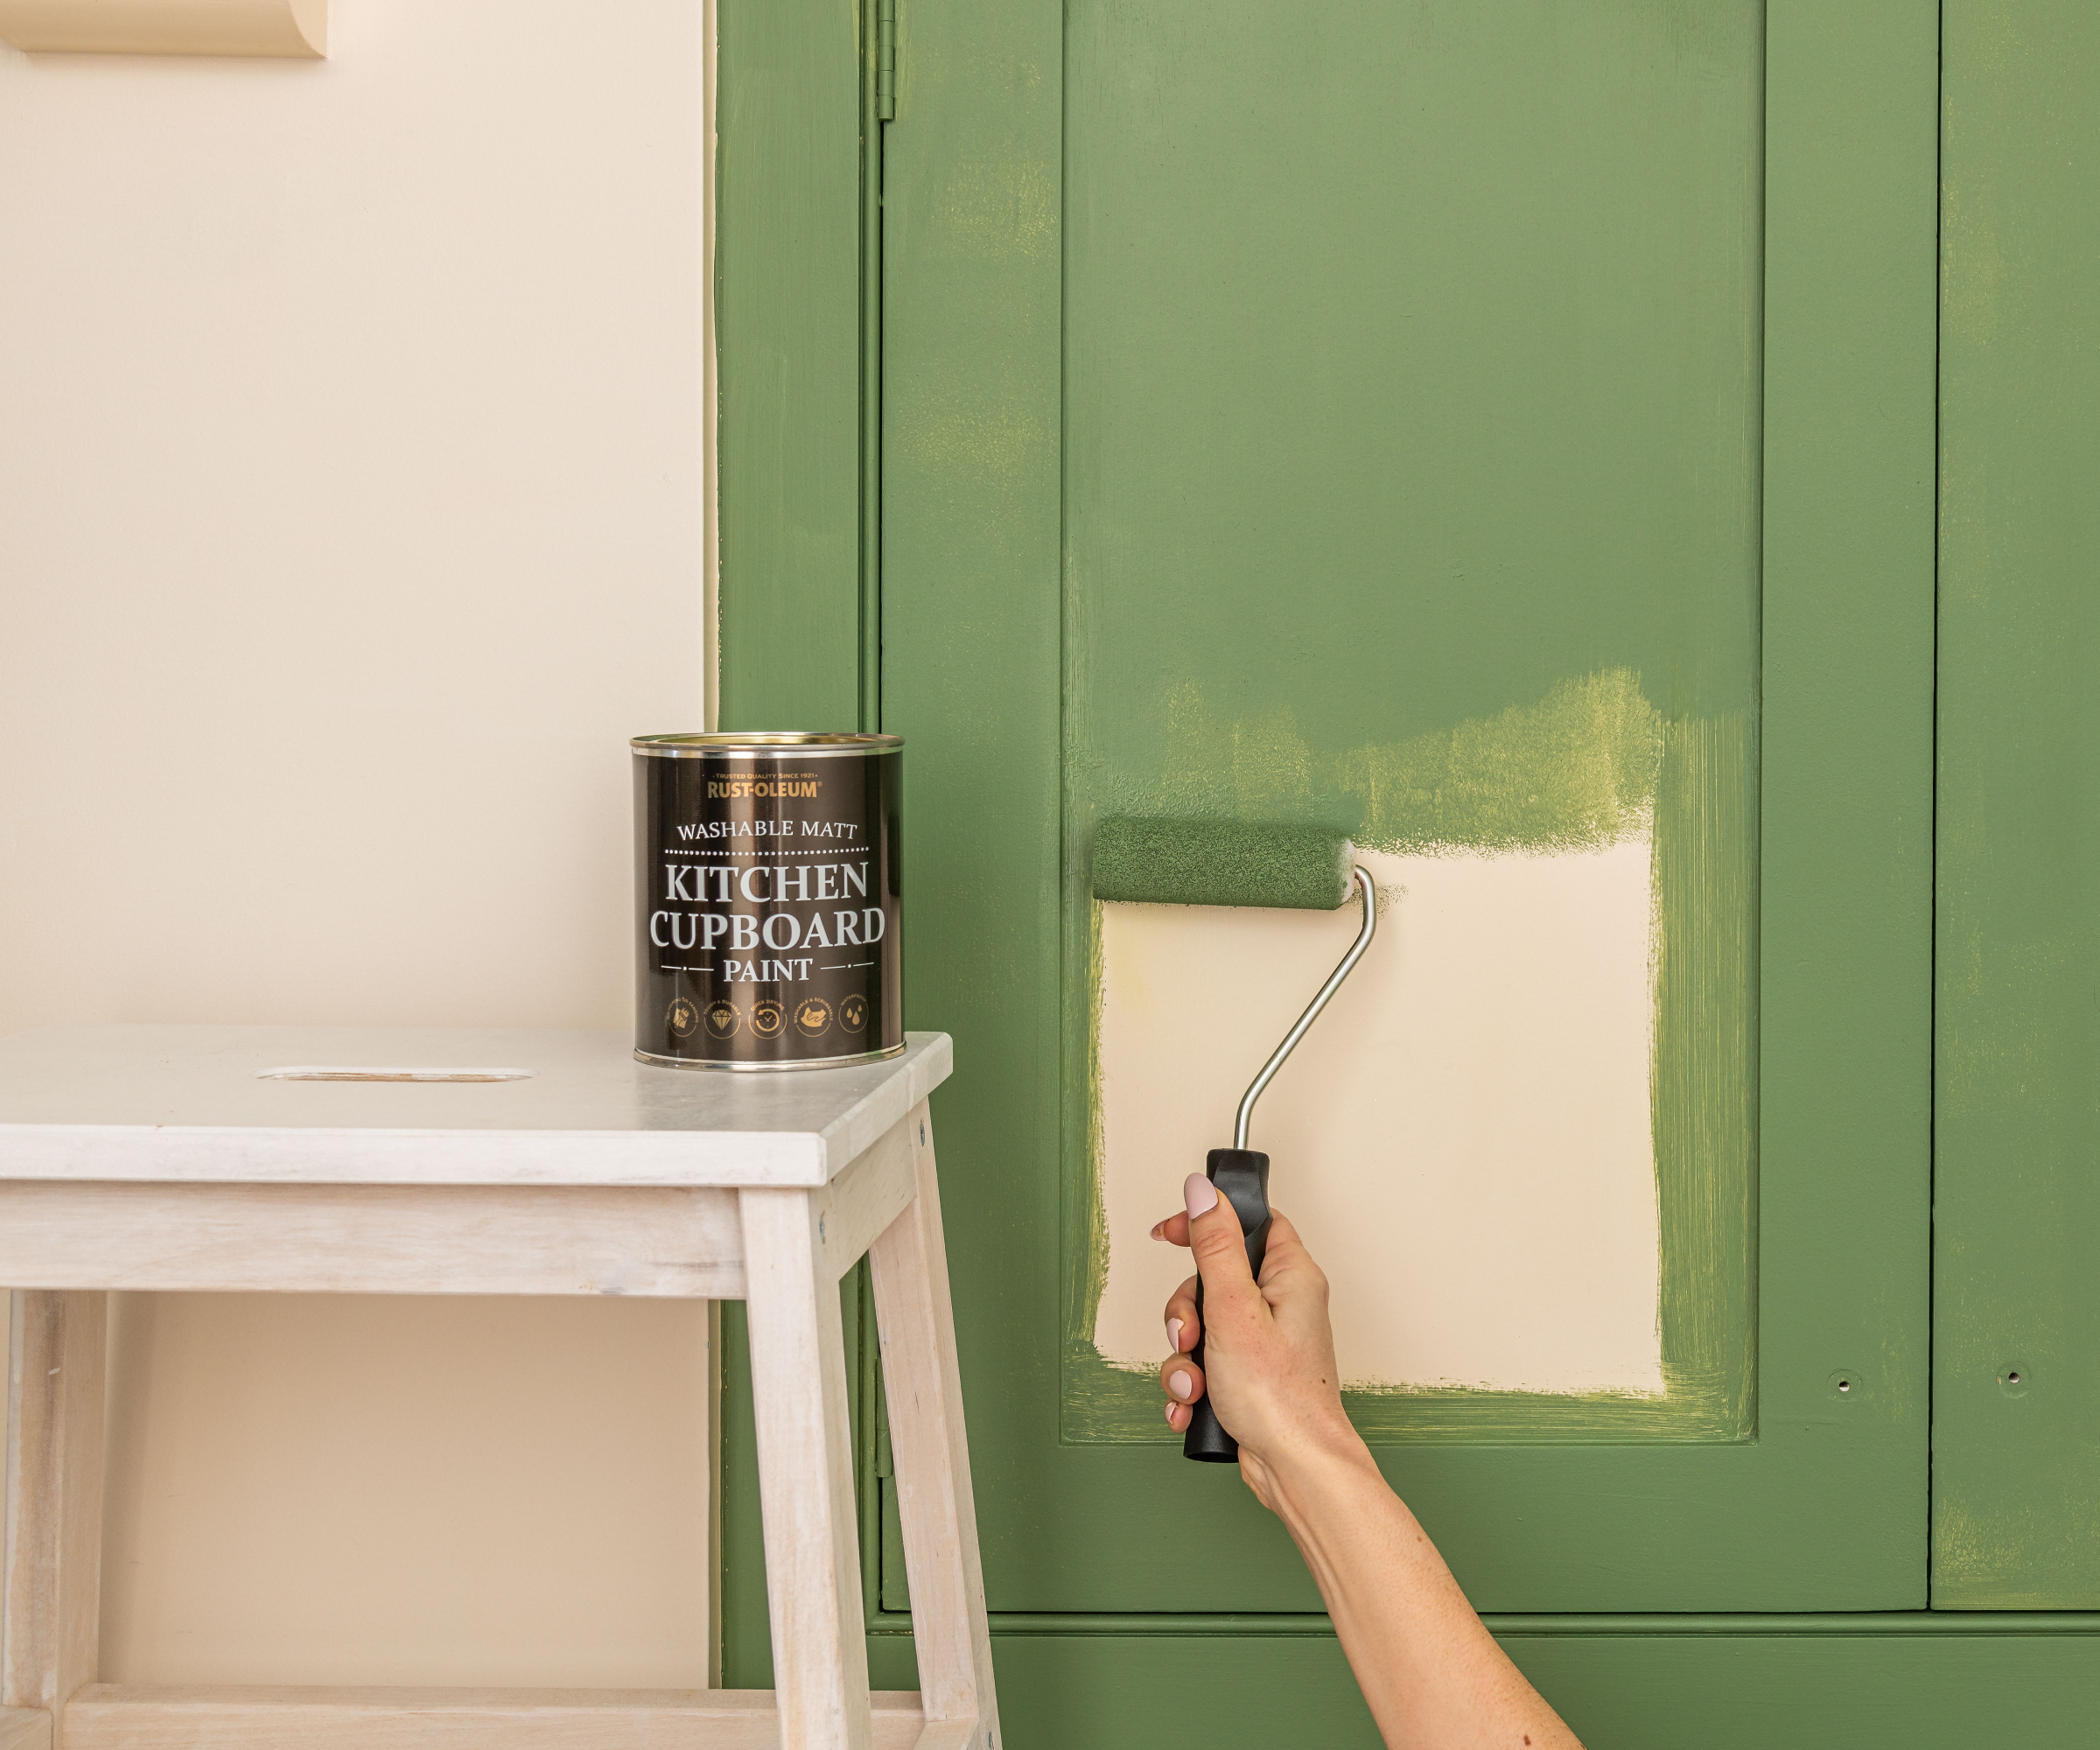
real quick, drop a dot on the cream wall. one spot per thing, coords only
(351, 519)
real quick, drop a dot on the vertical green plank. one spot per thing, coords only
(970, 679)
(2016, 1518)
(798, 589)
(1845, 918)
(788, 320)
(746, 1634)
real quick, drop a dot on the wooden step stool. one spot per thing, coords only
(354, 1160)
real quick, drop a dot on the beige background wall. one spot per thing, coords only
(351, 518)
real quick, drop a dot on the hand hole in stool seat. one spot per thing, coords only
(322, 1072)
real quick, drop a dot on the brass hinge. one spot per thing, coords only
(886, 61)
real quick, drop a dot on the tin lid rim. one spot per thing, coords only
(762, 744)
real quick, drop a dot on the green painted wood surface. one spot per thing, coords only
(1412, 410)
(2016, 1117)
(798, 170)
(971, 516)
(2016, 1498)
(788, 320)
(1880, 1683)
(973, 609)
(1619, 1692)
(1825, 1506)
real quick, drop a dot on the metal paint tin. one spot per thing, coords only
(766, 899)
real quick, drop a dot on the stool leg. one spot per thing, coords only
(932, 1457)
(51, 1588)
(798, 1383)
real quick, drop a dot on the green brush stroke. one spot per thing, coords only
(1589, 766)
(1577, 771)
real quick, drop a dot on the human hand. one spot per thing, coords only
(1269, 1360)
(1430, 1671)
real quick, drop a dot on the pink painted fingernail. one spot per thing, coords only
(1174, 1335)
(1180, 1384)
(1170, 1414)
(1199, 1195)
(1159, 1230)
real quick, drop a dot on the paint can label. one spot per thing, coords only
(767, 899)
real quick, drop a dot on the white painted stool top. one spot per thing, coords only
(170, 1104)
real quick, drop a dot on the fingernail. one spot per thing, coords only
(1174, 1335)
(1159, 1230)
(1180, 1384)
(1199, 1195)
(1170, 1414)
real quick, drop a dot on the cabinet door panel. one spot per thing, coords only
(1412, 398)
(1507, 433)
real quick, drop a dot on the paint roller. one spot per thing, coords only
(1225, 863)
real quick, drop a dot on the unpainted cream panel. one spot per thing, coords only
(1464, 1138)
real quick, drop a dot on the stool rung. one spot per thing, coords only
(127, 1716)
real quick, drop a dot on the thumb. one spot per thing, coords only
(1220, 1244)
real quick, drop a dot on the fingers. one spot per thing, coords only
(1182, 1382)
(1283, 1235)
(1184, 1319)
(1284, 1265)
(1221, 1248)
(1179, 1377)
(1291, 1284)
(1175, 1230)
(1286, 1262)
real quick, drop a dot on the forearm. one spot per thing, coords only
(1432, 1673)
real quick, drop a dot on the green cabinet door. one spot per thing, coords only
(1507, 432)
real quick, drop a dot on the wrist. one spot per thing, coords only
(1318, 1468)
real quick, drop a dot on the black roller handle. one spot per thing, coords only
(1241, 1176)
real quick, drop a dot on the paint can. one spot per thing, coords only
(766, 899)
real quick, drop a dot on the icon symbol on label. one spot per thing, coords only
(683, 1017)
(766, 1018)
(721, 1020)
(853, 1013)
(812, 1016)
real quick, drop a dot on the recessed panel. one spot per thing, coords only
(1411, 488)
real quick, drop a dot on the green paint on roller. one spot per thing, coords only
(1220, 862)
